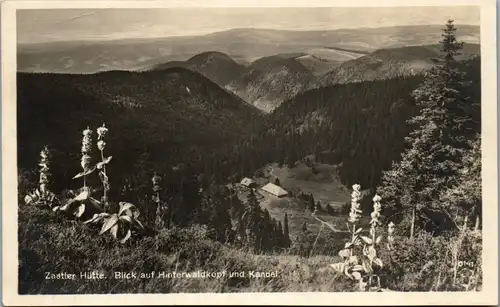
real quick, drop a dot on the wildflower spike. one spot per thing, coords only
(390, 235)
(355, 213)
(160, 209)
(101, 166)
(42, 195)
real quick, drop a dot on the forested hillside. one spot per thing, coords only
(216, 66)
(392, 62)
(173, 116)
(155, 160)
(362, 125)
(269, 81)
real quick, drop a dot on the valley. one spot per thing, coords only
(269, 81)
(250, 150)
(179, 122)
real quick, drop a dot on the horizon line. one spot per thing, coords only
(104, 40)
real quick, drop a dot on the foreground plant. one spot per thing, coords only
(120, 224)
(101, 166)
(42, 195)
(160, 208)
(360, 253)
(390, 236)
(85, 160)
(80, 203)
(83, 200)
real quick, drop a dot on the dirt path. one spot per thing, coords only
(271, 172)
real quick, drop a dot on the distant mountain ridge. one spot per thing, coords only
(391, 62)
(216, 66)
(244, 45)
(268, 81)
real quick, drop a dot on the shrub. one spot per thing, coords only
(434, 263)
(51, 243)
(308, 243)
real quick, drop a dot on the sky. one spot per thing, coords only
(44, 25)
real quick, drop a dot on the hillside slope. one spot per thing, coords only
(317, 65)
(389, 63)
(187, 250)
(173, 116)
(347, 123)
(216, 66)
(270, 81)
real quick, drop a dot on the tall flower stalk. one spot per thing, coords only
(86, 150)
(159, 222)
(42, 195)
(78, 204)
(44, 169)
(101, 145)
(355, 213)
(369, 250)
(355, 265)
(375, 215)
(390, 236)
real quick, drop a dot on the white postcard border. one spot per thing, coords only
(489, 295)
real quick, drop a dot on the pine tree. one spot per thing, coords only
(291, 157)
(220, 220)
(237, 207)
(253, 221)
(318, 206)
(203, 212)
(191, 200)
(466, 196)
(275, 233)
(277, 181)
(286, 232)
(433, 158)
(280, 235)
(310, 203)
(330, 210)
(267, 232)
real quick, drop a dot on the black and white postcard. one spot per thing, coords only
(249, 152)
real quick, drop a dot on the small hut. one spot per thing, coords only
(249, 183)
(274, 190)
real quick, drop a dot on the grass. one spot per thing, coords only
(324, 185)
(51, 243)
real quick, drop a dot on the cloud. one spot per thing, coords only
(82, 15)
(79, 24)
